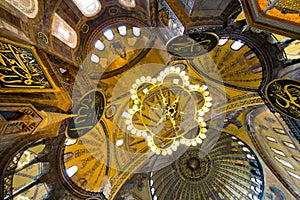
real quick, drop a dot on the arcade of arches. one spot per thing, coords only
(149, 99)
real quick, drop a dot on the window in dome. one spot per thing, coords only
(294, 175)
(99, 45)
(223, 41)
(119, 142)
(252, 196)
(257, 181)
(249, 156)
(136, 31)
(278, 146)
(72, 170)
(271, 139)
(122, 30)
(246, 149)
(128, 3)
(237, 45)
(151, 182)
(278, 152)
(152, 190)
(63, 31)
(70, 142)
(279, 131)
(27, 7)
(95, 58)
(285, 163)
(257, 68)
(288, 144)
(88, 8)
(296, 158)
(109, 34)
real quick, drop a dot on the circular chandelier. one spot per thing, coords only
(166, 109)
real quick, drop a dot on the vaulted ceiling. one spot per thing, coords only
(134, 99)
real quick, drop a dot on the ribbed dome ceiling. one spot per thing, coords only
(228, 171)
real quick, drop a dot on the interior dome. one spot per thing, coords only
(200, 175)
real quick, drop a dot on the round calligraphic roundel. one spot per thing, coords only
(192, 45)
(87, 114)
(284, 96)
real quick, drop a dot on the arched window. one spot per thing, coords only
(237, 45)
(136, 31)
(99, 45)
(223, 41)
(27, 7)
(88, 8)
(95, 58)
(70, 142)
(21, 175)
(128, 3)
(72, 170)
(109, 34)
(63, 31)
(122, 30)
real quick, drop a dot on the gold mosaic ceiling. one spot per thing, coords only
(101, 147)
(232, 71)
(280, 17)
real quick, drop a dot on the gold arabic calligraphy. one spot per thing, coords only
(20, 69)
(88, 113)
(285, 96)
(192, 45)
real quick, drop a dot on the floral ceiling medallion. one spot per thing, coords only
(166, 108)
